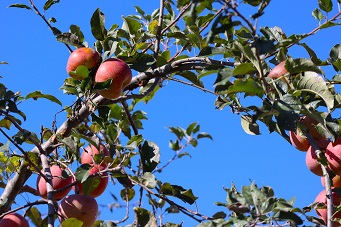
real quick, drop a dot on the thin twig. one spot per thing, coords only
(44, 19)
(38, 202)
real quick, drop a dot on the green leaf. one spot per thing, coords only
(312, 54)
(34, 215)
(72, 222)
(325, 5)
(150, 156)
(253, 2)
(192, 77)
(192, 128)
(38, 94)
(208, 51)
(144, 217)
(127, 194)
(5, 123)
(314, 83)
(97, 25)
(290, 216)
(139, 62)
(317, 14)
(204, 135)
(82, 172)
(335, 57)
(249, 126)
(288, 108)
(74, 29)
(299, 65)
(69, 39)
(20, 6)
(49, 3)
(179, 132)
(130, 25)
(243, 69)
(248, 86)
(149, 180)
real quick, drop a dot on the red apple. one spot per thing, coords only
(312, 162)
(84, 208)
(14, 220)
(58, 182)
(333, 155)
(322, 212)
(336, 181)
(302, 143)
(278, 71)
(95, 184)
(299, 142)
(89, 153)
(120, 74)
(84, 56)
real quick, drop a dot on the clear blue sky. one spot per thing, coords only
(37, 62)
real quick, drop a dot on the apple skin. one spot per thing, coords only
(312, 162)
(278, 71)
(90, 151)
(120, 74)
(58, 182)
(103, 181)
(302, 144)
(336, 181)
(14, 220)
(322, 213)
(84, 208)
(85, 56)
(299, 142)
(333, 155)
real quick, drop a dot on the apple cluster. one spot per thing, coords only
(330, 150)
(112, 69)
(81, 205)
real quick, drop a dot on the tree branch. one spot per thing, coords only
(15, 185)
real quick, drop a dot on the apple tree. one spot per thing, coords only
(101, 141)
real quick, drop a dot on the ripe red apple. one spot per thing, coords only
(302, 143)
(14, 220)
(322, 212)
(299, 142)
(120, 74)
(333, 155)
(58, 182)
(85, 56)
(312, 162)
(95, 184)
(84, 208)
(278, 71)
(89, 153)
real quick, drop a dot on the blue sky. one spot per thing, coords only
(37, 62)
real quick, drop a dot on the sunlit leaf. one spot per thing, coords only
(249, 126)
(314, 83)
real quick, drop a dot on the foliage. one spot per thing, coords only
(212, 28)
